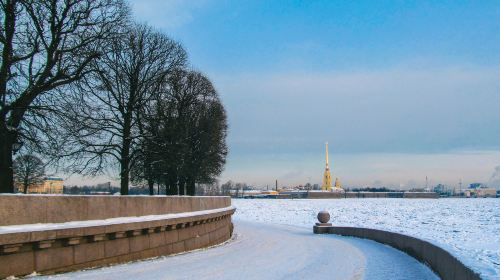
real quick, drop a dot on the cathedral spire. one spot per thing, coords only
(327, 155)
(327, 178)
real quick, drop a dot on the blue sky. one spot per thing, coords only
(400, 89)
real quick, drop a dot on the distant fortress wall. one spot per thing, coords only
(48, 234)
(421, 195)
(326, 195)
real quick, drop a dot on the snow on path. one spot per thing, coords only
(467, 228)
(265, 251)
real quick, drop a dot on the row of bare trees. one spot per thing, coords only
(185, 136)
(93, 92)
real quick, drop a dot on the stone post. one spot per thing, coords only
(323, 225)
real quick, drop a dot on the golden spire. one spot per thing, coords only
(327, 155)
(327, 178)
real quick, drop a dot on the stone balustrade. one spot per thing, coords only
(141, 227)
(32, 209)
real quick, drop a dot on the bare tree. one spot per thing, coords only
(226, 188)
(105, 118)
(45, 45)
(29, 170)
(149, 155)
(203, 124)
(187, 135)
(208, 145)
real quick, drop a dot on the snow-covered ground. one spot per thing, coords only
(468, 228)
(265, 251)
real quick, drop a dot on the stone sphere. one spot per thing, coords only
(323, 217)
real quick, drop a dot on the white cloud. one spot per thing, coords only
(400, 109)
(166, 14)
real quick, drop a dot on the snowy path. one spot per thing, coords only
(264, 251)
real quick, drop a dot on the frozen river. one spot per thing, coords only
(468, 228)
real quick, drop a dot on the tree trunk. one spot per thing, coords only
(151, 186)
(6, 136)
(6, 171)
(124, 172)
(181, 185)
(124, 169)
(167, 187)
(125, 155)
(170, 189)
(170, 185)
(191, 188)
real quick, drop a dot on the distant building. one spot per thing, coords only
(476, 186)
(50, 185)
(486, 192)
(440, 188)
(270, 192)
(480, 192)
(338, 185)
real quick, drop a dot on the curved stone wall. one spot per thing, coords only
(443, 263)
(188, 223)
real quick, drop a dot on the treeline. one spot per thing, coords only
(230, 185)
(99, 189)
(93, 92)
(102, 189)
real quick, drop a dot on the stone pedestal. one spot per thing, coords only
(323, 225)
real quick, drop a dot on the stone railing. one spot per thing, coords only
(439, 260)
(141, 227)
(32, 209)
